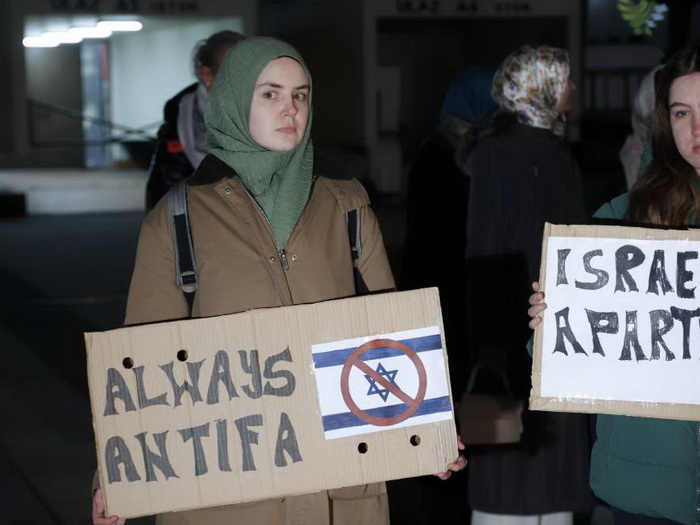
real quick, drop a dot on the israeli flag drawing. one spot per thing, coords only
(380, 382)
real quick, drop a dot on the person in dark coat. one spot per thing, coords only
(522, 175)
(438, 192)
(180, 139)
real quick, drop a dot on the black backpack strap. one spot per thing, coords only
(355, 234)
(185, 265)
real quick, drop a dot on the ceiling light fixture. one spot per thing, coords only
(74, 35)
(89, 32)
(37, 41)
(120, 25)
(61, 37)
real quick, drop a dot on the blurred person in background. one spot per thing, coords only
(642, 116)
(438, 192)
(180, 139)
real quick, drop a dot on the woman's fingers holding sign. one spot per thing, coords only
(456, 465)
(537, 306)
(98, 512)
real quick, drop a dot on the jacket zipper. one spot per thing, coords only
(284, 262)
(283, 252)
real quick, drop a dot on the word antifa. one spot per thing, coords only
(662, 321)
(117, 387)
(118, 455)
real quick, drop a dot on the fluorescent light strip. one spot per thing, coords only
(89, 32)
(37, 41)
(120, 25)
(76, 34)
(61, 37)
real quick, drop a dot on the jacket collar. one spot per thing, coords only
(211, 170)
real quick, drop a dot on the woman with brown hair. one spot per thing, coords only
(648, 469)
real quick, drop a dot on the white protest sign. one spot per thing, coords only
(621, 333)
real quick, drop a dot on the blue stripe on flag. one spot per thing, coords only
(348, 419)
(338, 357)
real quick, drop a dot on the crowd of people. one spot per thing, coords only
(495, 170)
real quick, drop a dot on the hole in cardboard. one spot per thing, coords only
(362, 448)
(415, 440)
(182, 355)
(128, 363)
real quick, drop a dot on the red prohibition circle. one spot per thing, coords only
(412, 404)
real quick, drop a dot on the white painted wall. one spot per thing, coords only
(15, 15)
(149, 67)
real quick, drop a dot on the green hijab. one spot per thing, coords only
(280, 181)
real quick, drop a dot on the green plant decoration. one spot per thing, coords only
(642, 15)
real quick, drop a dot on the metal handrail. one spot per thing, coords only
(127, 132)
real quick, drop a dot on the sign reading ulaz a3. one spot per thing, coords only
(435, 7)
(125, 6)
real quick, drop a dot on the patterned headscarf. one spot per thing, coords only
(530, 82)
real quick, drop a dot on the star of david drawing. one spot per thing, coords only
(374, 388)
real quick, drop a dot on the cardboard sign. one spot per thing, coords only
(621, 332)
(270, 403)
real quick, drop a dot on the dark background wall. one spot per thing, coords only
(431, 52)
(6, 84)
(329, 36)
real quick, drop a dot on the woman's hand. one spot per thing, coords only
(456, 465)
(537, 305)
(98, 511)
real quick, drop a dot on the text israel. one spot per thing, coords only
(630, 271)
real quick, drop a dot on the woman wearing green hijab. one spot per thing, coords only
(266, 232)
(267, 141)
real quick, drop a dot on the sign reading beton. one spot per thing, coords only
(270, 403)
(621, 332)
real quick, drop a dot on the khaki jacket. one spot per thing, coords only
(239, 269)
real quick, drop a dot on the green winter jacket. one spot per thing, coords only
(643, 465)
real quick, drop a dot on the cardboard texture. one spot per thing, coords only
(621, 332)
(270, 403)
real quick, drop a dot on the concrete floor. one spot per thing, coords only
(62, 275)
